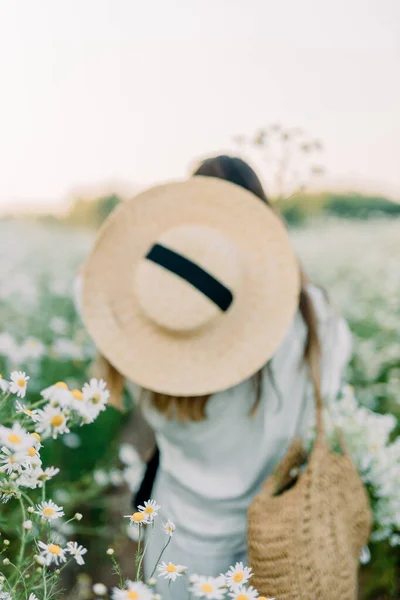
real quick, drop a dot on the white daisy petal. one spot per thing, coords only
(237, 576)
(76, 551)
(170, 571)
(52, 553)
(135, 590)
(18, 383)
(150, 509)
(209, 587)
(243, 593)
(169, 528)
(49, 510)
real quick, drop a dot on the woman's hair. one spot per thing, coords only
(239, 172)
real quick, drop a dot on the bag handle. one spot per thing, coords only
(315, 371)
(319, 404)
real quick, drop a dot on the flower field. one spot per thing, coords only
(41, 335)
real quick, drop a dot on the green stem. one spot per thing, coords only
(137, 561)
(25, 497)
(19, 577)
(44, 583)
(144, 551)
(118, 571)
(23, 537)
(160, 557)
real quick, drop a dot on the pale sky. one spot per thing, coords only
(133, 91)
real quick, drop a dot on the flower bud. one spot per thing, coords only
(99, 589)
(110, 551)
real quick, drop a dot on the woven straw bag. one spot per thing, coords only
(306, 531)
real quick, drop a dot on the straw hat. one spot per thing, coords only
(190, 287)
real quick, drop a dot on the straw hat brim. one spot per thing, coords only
(218, 356)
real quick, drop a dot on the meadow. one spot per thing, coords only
(357, 262)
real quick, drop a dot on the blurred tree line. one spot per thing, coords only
(297, 209)
(91, 213)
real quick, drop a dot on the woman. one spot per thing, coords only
(217, 449)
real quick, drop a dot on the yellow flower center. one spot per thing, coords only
(13, 438)
(138, 517)
(262, 598)
(21, 383)
(1, 376)
(48, 512)
(57, 420)
(36, 436)
(77, 394)
(132, 595)
(242, 597)
(149, 510)
(12, 460)
(28, 412)
(61, 385)
(171, 569)
(95, 398)
(207, 588)
(54, 549)
(238, 577)
(31, 451)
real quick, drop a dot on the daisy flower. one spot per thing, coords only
(8, 491)
(95, 395)
(243, 593)
(32, 597)
(169, 527)
(58, 394)
(48, 473)
(135, 590)
(16, 438)
(150, 509)
(170, 571)
(77, 401)
(209, 587)
(52, 421)
(21, 408)
(4, 385)
(18, 383)
(237, 576)
(29, 479)
(33, 460)
(49, 510)
(34, 478)
(52, 553)
(138, 518)
(76, 551)
(11, 461)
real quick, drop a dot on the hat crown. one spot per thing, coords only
(189, 278)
